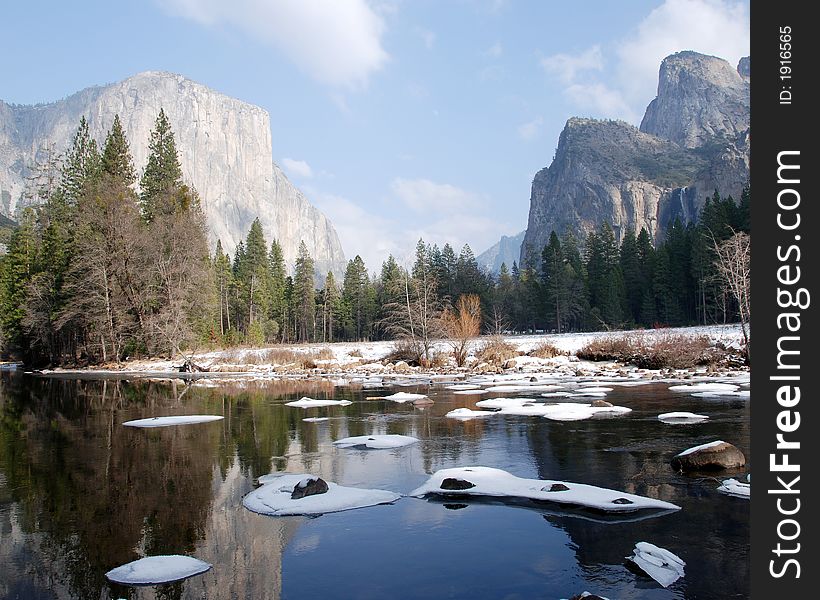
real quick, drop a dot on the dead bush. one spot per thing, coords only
(496, 351)
(544, 350)
(406, 350)
(672, 351)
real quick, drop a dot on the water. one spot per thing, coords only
(80, 494)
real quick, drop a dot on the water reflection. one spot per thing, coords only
(80, 494)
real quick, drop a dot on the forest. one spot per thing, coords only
(102, 267)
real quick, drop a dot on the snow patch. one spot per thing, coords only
(660, 564)
(404, 397)
(306, 402)
(171, 421)
(704, 387)
(376, 442)
(468, 413)
(495, 482)
(733, 487)
(681, 418)
(701, 447)
(157, 569)
(274, 498)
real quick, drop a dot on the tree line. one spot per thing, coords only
(97, 272)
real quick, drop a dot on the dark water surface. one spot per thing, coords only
(80, 494)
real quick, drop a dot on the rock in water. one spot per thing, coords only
(224, 148)
(310, 486)
(451, 483)
(601, 404)
(709, 457)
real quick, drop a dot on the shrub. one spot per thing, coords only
(670, 351)
(496, 351)
(545, 350)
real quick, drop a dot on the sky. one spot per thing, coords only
(399, 119)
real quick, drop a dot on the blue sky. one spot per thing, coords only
(399, 119)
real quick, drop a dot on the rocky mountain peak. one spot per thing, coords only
(225, 150)
(700, 98)
(744, 67)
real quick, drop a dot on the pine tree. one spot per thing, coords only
(116, 161)
(330, 308)
(304, 293)
(356, 299)
(634, 284)
(81, 165)
(277, 274)
(163, 173)
(224, 280)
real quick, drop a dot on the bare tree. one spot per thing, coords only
(733, 265)
(415, 317)
(462, 325)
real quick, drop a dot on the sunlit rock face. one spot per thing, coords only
(224, 145)
(694, 139)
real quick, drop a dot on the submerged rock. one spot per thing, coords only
(709, 457)
(310, 486)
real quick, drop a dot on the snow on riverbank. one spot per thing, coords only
(340, 359)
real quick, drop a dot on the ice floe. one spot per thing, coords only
(470, 392)
(306, 402)
(733, 487)
(157, 569)
(376, 441)
(460, 387)
(704, 387)
(503, 402)
(275, 497)
(727, 394)
(170, 421)
(660, 564)
(486, 481)
(404, 397)
(315, 419)
(681, 418)
(593, 390)
(467, 413)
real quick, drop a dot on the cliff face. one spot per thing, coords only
(700, 98)
(505, 251)
(693, 139)
(225, 151)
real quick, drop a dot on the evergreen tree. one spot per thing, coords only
(331, 299)
(116, 161)
(304, 294)
(606, 287)
(634, 284)
(81, 166)
(277, 274)
(223, 277)
(356, 299)
(163, 173)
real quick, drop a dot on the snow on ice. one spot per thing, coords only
(660, 564)
(157, 569)
(376, 441)
(306, 402)
(170, 421)
(486, 481)
(274, 498)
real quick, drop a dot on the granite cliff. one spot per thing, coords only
(694, 138)
(225, 151)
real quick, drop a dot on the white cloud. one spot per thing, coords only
(297, 168)
(567, 66)
(362, 232)
(337, 43)
(427, 36)
(716, 27)
(599, 100)
(494, 51)
(530, 130)
(422, 195)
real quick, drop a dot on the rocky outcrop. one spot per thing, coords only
(701, 99)
(709, 457)
(225, 151)
(693, 140)
(310, 486)
(505, 251)
(744, 67)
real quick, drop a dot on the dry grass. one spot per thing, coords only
(406, 350)
(670, 351)
(496, 351)
(545, 350)
(276, 356)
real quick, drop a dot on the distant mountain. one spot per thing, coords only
(225, 150)
(506, 250)
(694, 138)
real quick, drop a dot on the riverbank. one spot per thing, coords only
(556, 354)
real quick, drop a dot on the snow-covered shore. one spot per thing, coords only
(351, 359)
